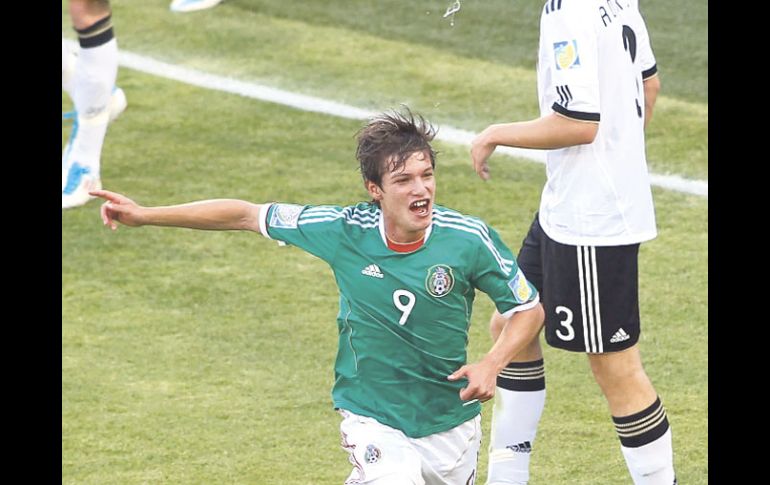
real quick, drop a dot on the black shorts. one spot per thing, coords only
(590, 293)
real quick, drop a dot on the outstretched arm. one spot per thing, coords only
(546, 133)
(518, 332)
(214, 215)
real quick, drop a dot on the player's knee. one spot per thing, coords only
(85, 13)
(614, 366)
(622, 389)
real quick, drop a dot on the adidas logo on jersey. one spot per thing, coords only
(525, 447)
(619, 336)
(372, 270)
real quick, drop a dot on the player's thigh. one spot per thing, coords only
(380, 455)
(619, 372)
(590, 296)
(451, 457)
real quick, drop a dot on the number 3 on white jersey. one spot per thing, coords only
(406, 308)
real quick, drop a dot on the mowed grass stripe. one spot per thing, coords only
(373, 72)
(310, 103)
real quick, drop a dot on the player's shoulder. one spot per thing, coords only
(470, 235)
(363, 214)
(463, 225)
(364, 208)
(443, 211)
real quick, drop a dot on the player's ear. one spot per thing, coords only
(374, 190)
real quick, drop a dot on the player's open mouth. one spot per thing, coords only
(420, 207)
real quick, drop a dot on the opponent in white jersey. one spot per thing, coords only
(597, 86)
(593, 58)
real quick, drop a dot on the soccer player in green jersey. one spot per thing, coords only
(407, 270)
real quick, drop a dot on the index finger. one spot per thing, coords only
(461, 372)
(107, 195)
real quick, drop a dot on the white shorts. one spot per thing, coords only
(382, 455)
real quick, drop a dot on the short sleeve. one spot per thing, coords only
(498, 275)
(315, 229)
(646, 58)
(569, 49)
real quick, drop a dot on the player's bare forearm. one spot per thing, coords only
(548, 132)
(212, 215)
(517, 333)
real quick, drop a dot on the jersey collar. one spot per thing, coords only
(384, 239)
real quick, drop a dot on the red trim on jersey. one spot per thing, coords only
(405, 248)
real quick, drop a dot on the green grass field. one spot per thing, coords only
(203, 357)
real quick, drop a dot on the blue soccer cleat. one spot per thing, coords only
(80, 181)
(76, 178)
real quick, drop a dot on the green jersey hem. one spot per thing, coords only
(469, 412)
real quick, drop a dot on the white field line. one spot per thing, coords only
(325, 106)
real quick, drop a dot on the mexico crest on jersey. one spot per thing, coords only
(566, 55)
(440, 280)
(520, 288)
(372, 455)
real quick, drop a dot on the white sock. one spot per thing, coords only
(652, 464)
(68, 60)
(645, 440)
(86, 148)
(514, 422)
(96, 70)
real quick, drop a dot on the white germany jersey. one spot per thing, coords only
(593, 57)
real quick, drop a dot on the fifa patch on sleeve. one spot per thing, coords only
(520, 287)
(285, 216)
(566, 55)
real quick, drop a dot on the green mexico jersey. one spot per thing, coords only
(404, 317)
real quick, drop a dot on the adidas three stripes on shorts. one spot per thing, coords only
(590, 293)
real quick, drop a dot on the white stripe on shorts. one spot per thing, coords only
(598, 313)
(589, 299)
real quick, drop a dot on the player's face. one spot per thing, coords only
(406, 198)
